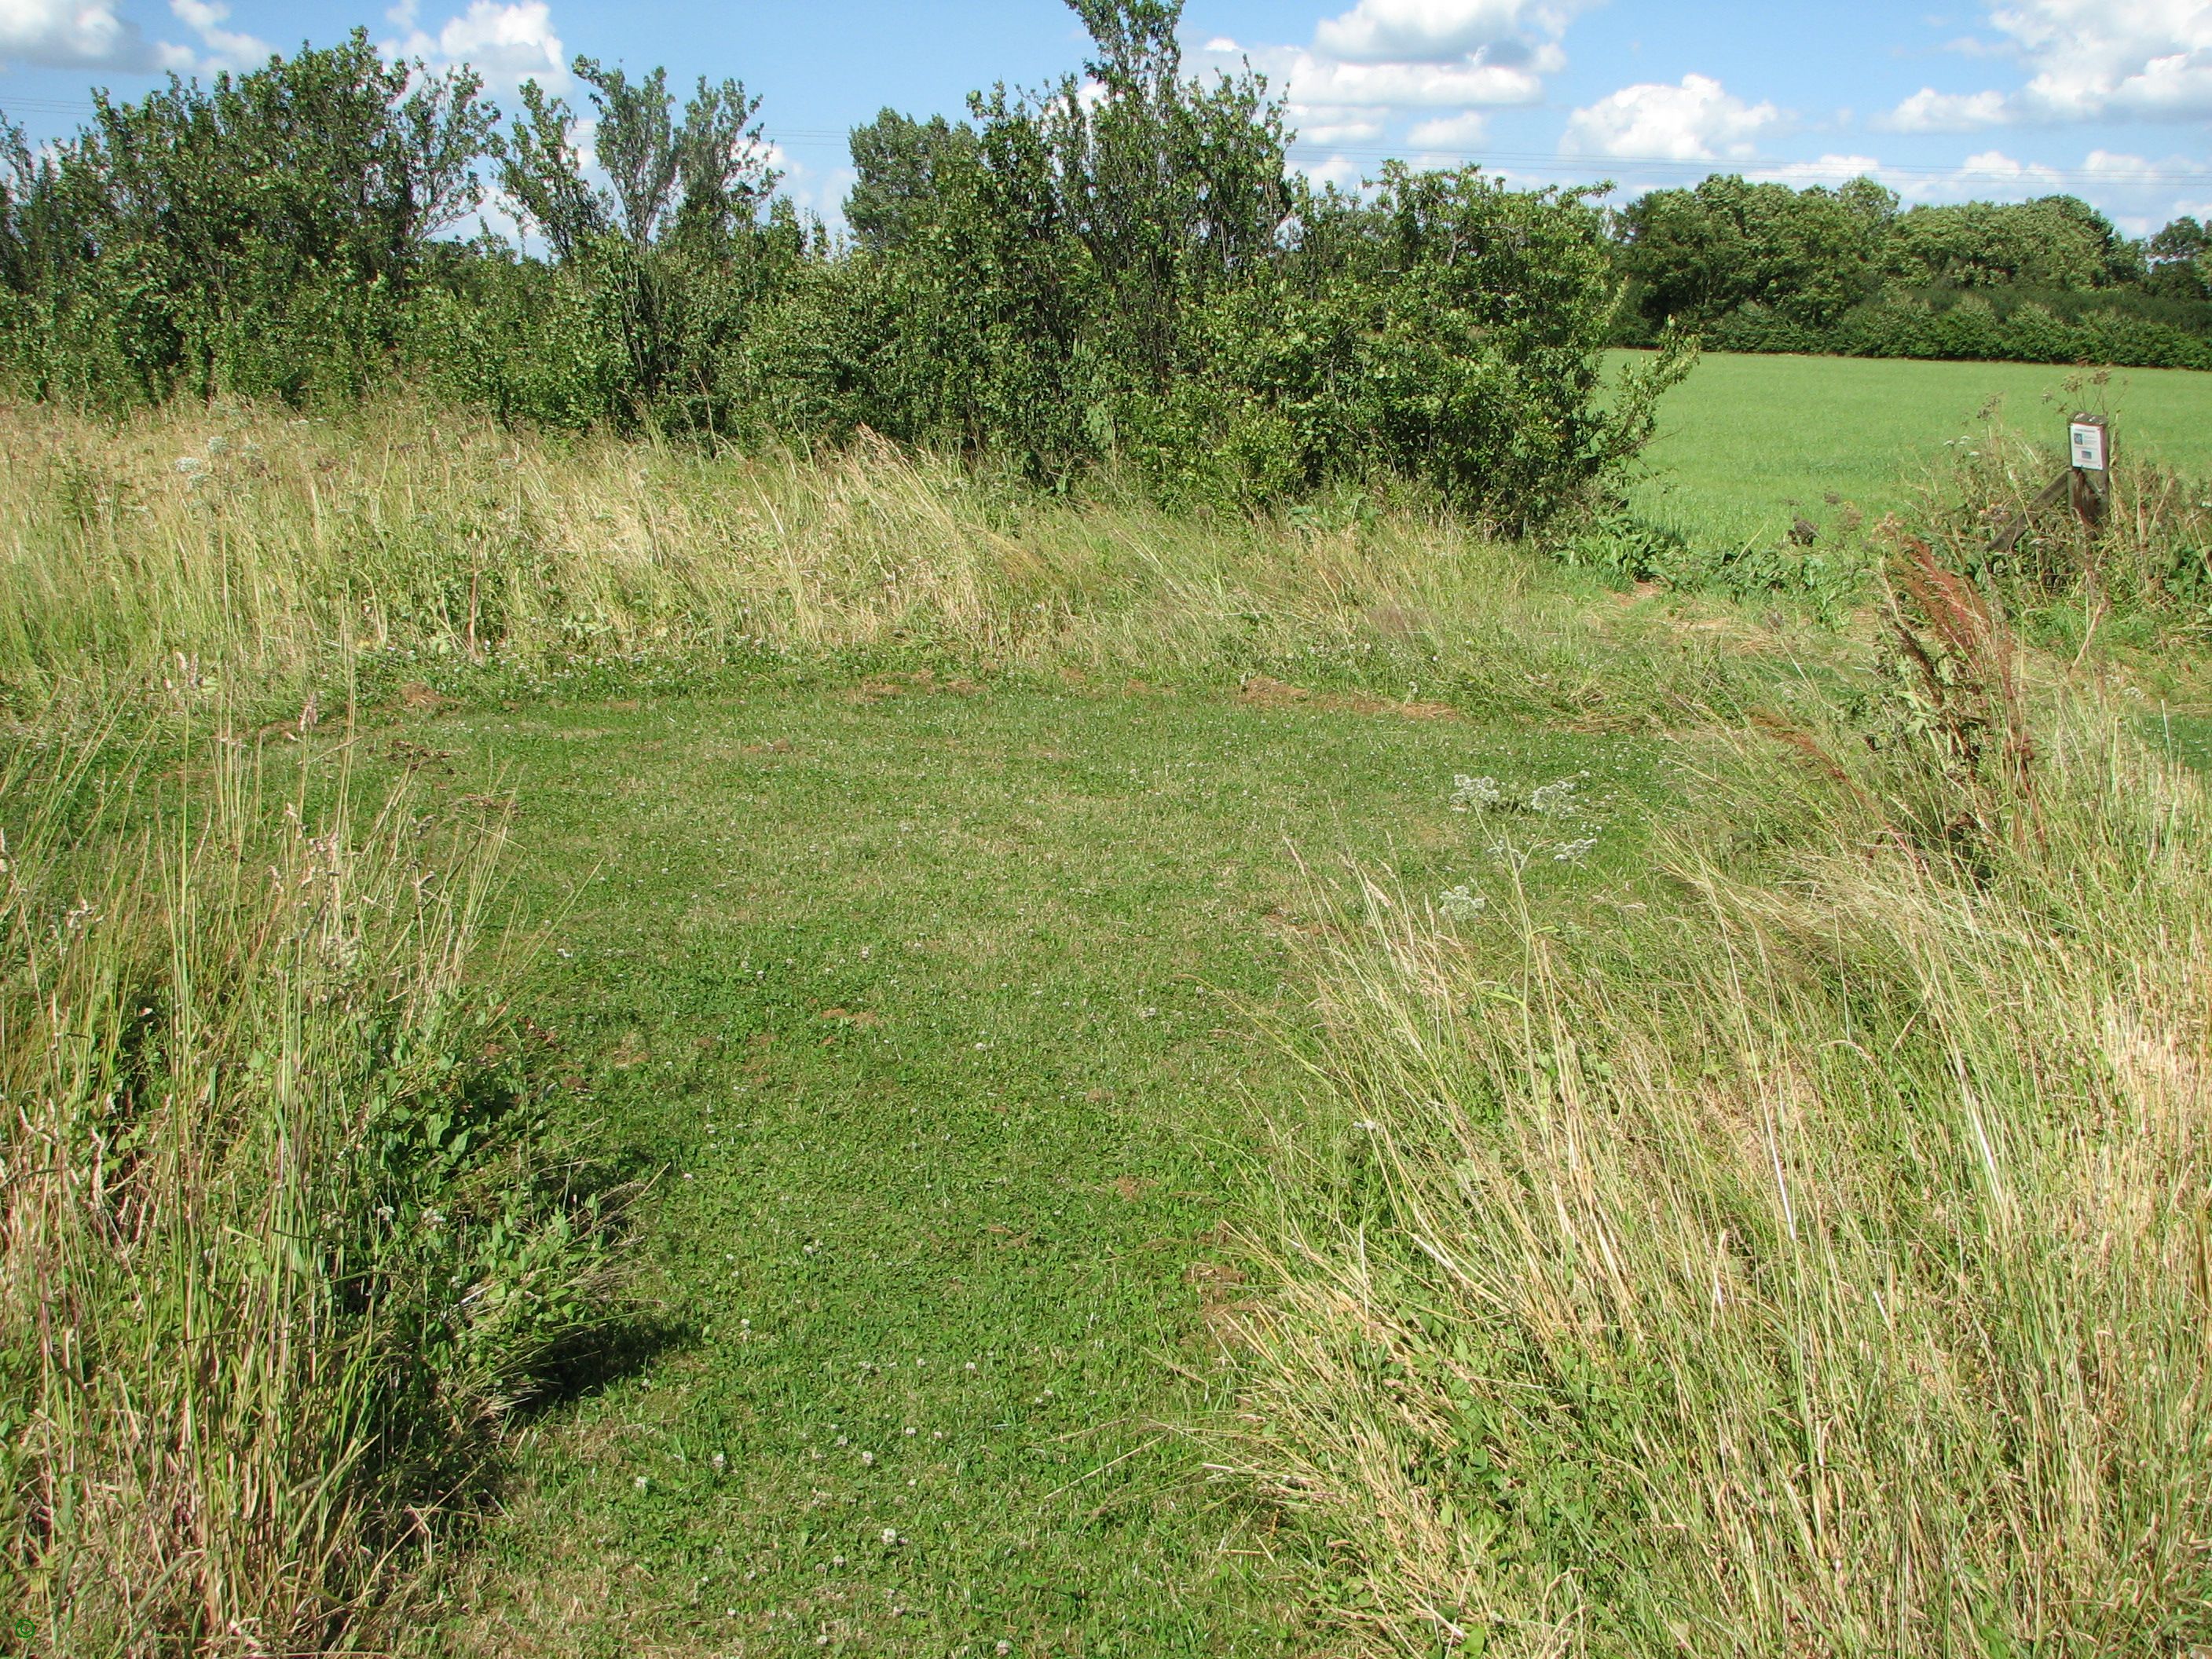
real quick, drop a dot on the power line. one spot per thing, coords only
(2029, 173)
(814, 138)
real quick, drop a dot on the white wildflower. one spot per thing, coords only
(1475, 794)
(1460, 904)
(1557, 800)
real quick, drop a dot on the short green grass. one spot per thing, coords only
(934, 1012)
(1747, 441)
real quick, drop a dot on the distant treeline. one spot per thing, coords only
(1762, 267)
(1119, 272)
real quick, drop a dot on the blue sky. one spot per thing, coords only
(2111, 100)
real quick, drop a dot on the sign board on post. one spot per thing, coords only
(2089, 441)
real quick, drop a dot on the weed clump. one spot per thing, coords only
(281, 1240)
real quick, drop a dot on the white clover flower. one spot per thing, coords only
(868, 1458)
(1460, 904)
(890, 1534)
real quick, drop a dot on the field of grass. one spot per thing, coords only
(1749, 441)
(1157, 1087)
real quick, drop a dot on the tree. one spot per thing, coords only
(2053, 242)
(707, 176)
(1173, 186)
(258, 232)
(1697, 255)
(541, 171)
(902, 167)
(2179, 258)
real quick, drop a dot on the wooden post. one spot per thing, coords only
(2091, 443)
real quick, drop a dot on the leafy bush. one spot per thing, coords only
(260, 236)
(1114, 275)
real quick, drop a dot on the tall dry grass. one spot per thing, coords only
(187, 542)
(1811, 1257)
(276, 1244)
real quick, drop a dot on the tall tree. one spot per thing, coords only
(902, 166)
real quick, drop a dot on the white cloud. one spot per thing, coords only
(1386, 58)
(507, 44)
(1450, 132)
(1328, 123)
(1436, 31)
(1830, 169)
(70, 34)
(1310, 78)
(222, 48)
(1700, 120)
(1341, 171)
(1930, 111)
(2136, 192)
(2148, 59)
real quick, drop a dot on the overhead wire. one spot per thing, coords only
(814, 138)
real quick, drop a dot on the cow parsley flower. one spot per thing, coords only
(1475, 794)
(1557, 800)
(1460, 904)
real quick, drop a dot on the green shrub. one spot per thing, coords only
(1130, 282)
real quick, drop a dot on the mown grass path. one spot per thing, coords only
(931, 1006)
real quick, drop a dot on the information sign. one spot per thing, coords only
(2087, 435)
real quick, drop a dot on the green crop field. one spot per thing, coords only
(1747, 441)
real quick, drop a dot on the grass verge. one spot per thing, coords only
(280, 1241)
(1808, 1257)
